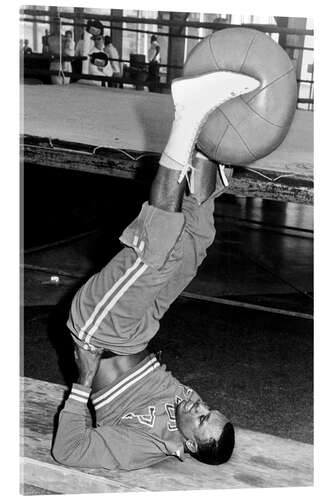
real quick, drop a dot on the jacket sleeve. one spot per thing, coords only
(77, 444)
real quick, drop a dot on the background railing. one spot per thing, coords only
(177, 32)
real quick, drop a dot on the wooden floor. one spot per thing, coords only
(259, 460)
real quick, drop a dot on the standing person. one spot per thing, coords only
(69, 45)
(113, 55)
(154, 60)
(79, 48)
(55, 50)
(68, 50)
(59, 46)
(26, 49)
(99, 63)
(154, 51)
(145, 415)
(45, 42)
(86, 44)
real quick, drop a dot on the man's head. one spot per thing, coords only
(208, 435)
(68, 35)
(153, 38)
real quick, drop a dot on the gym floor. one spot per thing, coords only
(257, 366)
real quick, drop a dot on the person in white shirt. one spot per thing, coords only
(56, 46)
(113, 55)
(68, 50)
(69, 46)
(99, 63)
(154, 51)
(26, 49)
(86, 44)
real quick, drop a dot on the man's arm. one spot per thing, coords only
(78, 444)
(109, 447)
(115, 64)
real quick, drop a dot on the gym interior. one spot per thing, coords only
(242, 331)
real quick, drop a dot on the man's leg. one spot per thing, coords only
(199, 234)
(165, 192)
(109, 311)
(115, 309)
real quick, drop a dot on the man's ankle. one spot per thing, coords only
(166, 193)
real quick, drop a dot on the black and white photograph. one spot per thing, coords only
(166, 248)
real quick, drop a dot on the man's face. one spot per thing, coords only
(197, 422)
(99, 43)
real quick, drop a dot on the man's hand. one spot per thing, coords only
(87, 363)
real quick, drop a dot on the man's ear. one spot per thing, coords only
(191, 445)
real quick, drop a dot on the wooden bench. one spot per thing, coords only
(64, 124)
(259, 460)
